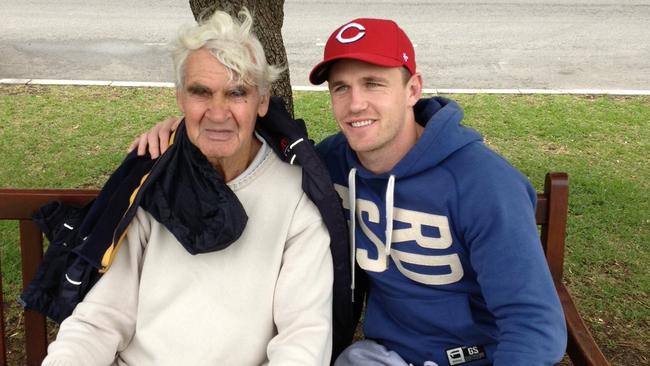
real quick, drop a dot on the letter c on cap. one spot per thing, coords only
(358, 36)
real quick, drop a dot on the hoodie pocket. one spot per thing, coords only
(444, 318)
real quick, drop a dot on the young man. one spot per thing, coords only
(443, 227)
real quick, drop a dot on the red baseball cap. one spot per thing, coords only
(377, 41)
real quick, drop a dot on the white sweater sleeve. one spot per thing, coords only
(104, 322)
(303, 296)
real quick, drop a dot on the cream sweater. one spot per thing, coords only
(266, 299)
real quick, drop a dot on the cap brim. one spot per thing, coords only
(320, 72)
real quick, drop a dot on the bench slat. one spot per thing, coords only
(20, 204)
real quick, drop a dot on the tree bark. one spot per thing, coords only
(268, 16)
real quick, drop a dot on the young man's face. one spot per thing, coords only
(373, 106)
(220, 115)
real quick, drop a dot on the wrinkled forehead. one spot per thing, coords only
(210, 63)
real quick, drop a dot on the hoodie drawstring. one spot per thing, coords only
(352, 198)
(390, 193)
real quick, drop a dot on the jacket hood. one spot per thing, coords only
(443, 135)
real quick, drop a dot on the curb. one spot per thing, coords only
(150, 84)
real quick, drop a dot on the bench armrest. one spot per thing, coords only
(581, 347)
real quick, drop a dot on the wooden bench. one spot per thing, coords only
(552, 206)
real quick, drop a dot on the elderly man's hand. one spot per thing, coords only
(156, 139)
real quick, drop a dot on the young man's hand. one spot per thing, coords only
(156, 139)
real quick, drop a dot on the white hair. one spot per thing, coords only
(232, 43)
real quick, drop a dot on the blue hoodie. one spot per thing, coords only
(456, 271)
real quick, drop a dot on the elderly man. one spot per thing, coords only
(443, 227)
(178, 295)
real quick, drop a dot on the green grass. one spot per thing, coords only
(72, 137)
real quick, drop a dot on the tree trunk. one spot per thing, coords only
(268, 16)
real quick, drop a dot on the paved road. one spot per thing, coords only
(459, 44)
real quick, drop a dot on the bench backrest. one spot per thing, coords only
(20, 204)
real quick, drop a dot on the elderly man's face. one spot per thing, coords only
(220, 115)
